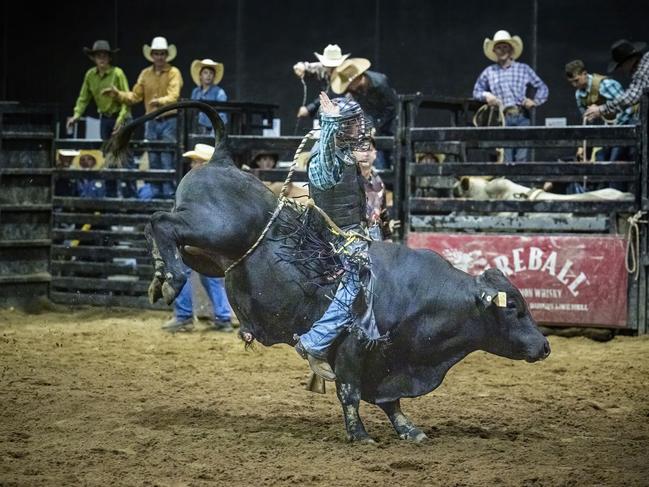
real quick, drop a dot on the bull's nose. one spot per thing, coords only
(546, 349)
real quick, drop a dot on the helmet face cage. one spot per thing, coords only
(353, 129)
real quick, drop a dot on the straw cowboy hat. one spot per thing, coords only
(502, 36)
(159, 44)
(198, 65)
(99, 46)
(332, 56)
(622, 50)
(347, 72)
(97, 155)
(201, 152)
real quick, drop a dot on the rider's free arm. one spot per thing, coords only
(325, 168)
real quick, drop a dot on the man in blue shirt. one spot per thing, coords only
(505, 84)
(207, 75)
(336, 185)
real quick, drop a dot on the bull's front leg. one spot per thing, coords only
(402, 424)
(169, 277)
(348, 387)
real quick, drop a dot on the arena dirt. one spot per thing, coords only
(103, 397)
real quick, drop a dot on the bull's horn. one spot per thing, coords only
(501, 299)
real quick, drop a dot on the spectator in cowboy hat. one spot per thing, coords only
(370, 89)
(505, 83)
(183, 319)
(331, 57)
(157, 85)
(207, 75)
(112, 112)
(630, 58)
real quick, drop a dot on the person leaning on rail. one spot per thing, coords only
(505, 83)
(630, 58)
(596, 89)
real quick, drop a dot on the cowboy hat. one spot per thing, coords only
(201, 152)
(502, 36)
(622, 50)
(347, 72)
(159, 44)
(99, 46)
(332, 56)
(97, 155)
(198, 65)
(67, 152)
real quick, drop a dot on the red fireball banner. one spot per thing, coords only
(567, 280)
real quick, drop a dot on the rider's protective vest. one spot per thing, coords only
(345, 202)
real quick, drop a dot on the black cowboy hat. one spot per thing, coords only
(99, 46)
(622, 50)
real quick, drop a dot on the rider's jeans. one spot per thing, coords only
(339, 313)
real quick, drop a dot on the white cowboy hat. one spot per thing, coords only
(347, 72)
(502, 36)
(198, 65)
(201, 153)
(68, 152)
(332, 56)
(159, 44)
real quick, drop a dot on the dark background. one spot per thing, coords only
(430, 46)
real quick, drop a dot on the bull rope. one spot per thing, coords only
(633, 244)
(282, 200)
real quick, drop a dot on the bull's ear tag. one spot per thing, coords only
(501, 299)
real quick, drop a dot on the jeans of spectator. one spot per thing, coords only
(517, 154)
(161, 129)
(116, 188)
(203, 130)
(338, 315)
(215, 291)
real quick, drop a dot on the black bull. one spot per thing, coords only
(436, 314)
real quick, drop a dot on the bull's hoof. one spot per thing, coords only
(155, 290)
(415, 435)
(361, 438)
(168, 292)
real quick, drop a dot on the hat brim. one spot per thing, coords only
(172, 52)
(340, 85)
(638, 48)
(331, 63)
(90, 53)
(198, 65)
(515, 41)
(192, 154)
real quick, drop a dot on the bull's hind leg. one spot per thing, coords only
(348, 388)
(164, 231)
(402, 424)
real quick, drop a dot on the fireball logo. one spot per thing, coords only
(470, 262)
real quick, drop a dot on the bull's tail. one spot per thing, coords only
(116, 148)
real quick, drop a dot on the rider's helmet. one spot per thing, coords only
(354, 129)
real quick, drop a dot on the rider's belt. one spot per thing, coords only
(108, 115)
(515, 110)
